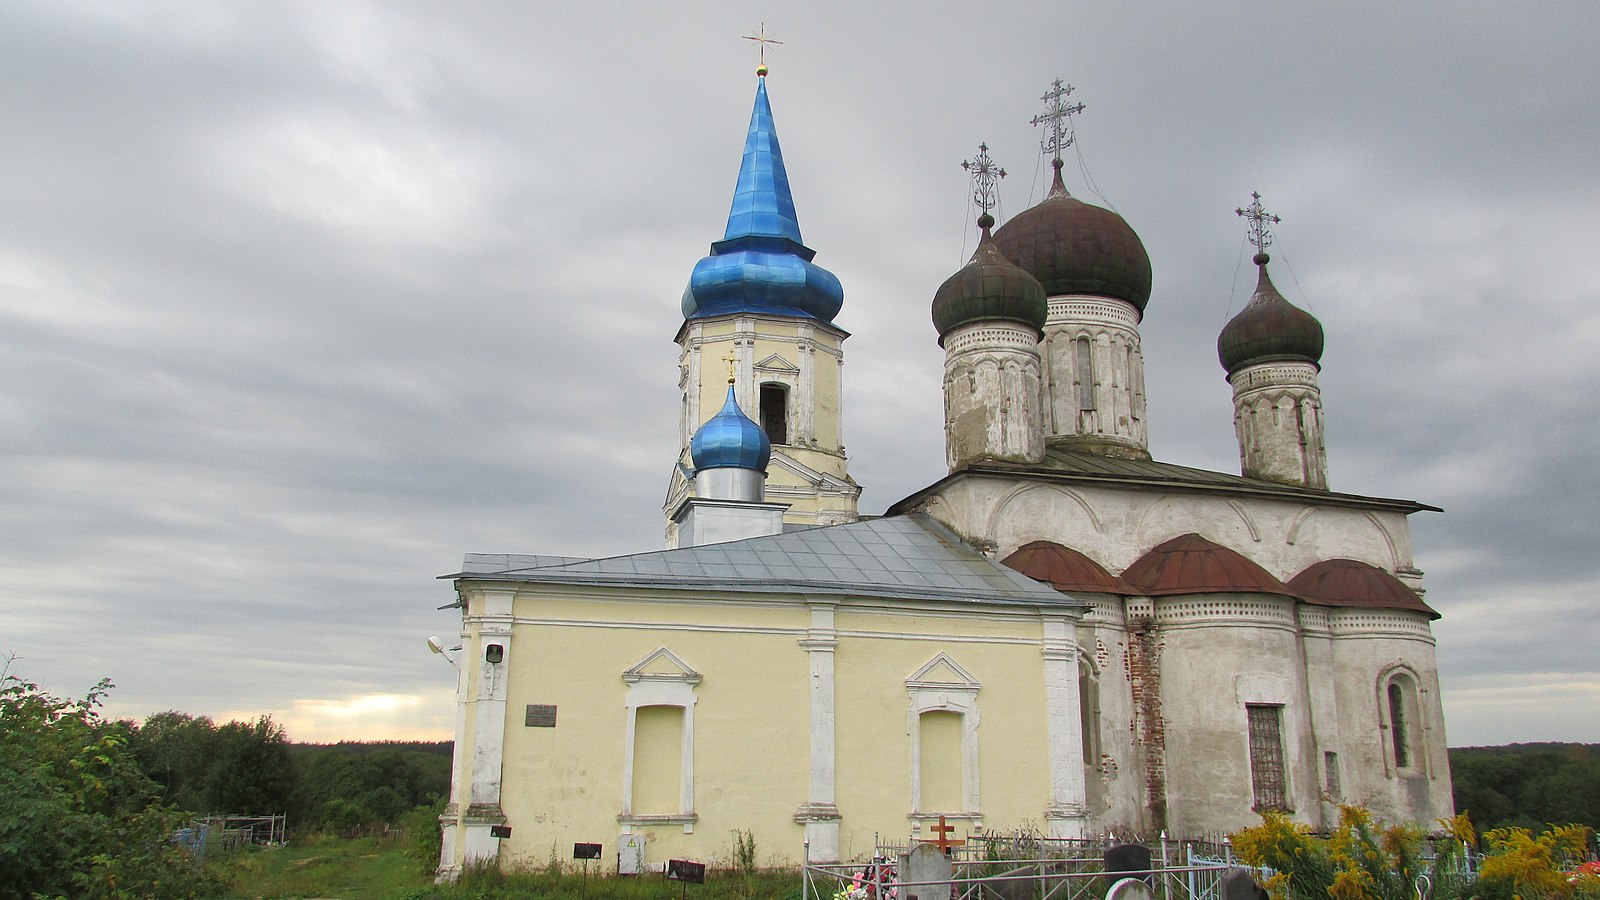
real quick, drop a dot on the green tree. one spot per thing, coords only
(177, 750)
(252, 771)
(82, 819)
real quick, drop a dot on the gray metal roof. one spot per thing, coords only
(911, 557)
(1061, 464)
(511, 562)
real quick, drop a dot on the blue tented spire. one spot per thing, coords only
(762, 204)
(760, 265)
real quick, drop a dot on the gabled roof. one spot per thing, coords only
(1190, 564)
(1350, 582)
(1077, 467)
(1064, 569)
(907, 557)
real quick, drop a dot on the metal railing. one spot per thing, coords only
(1075, 877)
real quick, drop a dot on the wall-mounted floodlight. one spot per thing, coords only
(493, 654)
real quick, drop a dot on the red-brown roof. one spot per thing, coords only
(1190, 564)
(1350, 582)
(1064, 568)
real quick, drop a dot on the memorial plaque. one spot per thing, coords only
(541, 715)
(684, 870)
(925, 872)
(1240, 884)
(585, 851)
(1128, 858)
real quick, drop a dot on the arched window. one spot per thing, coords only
(1085, 373)
(1401, 714)
(775, 412)
(1089, 713)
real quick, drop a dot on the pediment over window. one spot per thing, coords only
(661, 665)
(776, 363)
(942, 672)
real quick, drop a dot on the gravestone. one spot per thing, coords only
(1239, 884)
(1128, 858)
(925, 872)
(1130, 889)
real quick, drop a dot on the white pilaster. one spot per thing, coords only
(1065, 815)
(820, 815)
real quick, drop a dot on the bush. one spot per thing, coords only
(83, 819)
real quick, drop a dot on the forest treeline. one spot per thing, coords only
(1528, 785)
(251, 768)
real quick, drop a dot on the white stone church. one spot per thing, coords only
(1063, 633)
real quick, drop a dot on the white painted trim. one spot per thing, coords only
(1067, 810)
(959, 697)
(647, 688)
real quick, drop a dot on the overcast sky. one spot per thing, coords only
(301, 301)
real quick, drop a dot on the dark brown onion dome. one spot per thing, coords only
(1064, 568)
(1073, 247)
(1190, 564)
(988, 288)
(1350, 582)
(1269, 328)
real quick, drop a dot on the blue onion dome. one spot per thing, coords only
(761, 265)
(988, 288)
(1074, 247)
(1269, 328)
(730, 440)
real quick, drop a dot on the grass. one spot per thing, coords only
(363, 868)
(316, 866)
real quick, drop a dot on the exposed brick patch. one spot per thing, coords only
(1149, 728)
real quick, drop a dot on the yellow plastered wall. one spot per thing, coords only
(752, 720)
(873, 725)
(564, 784)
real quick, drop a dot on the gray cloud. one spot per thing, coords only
(298, 303)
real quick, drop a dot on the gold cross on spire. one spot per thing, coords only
(1258, 218)
(760, 37)
(730, 359)
(1058, 115)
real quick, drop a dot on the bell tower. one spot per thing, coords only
(759, 301)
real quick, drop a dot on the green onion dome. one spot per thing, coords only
(988, 288)
(1073, 247)
(1269, 328)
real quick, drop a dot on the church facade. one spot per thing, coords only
(1063, 632)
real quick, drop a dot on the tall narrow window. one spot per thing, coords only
(1266, 757)
(940, 775)
(1330, 765)
(1397, 726)
(775, 412)
(1089, 714)
(658, 760)
(1085, 371)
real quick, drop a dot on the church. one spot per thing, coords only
(1062, 634)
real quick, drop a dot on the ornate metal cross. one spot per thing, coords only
(730, 359)
(985, 178)
(1058, 114)
(1258, 218)
(760, 37)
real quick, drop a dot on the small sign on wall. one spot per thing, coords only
(686, 871)
(541, 715)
